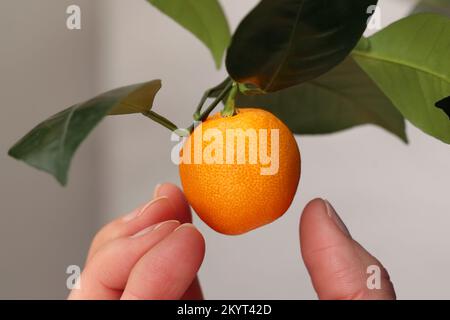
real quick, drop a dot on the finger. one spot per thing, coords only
(157, 210)
(106, 275)
(194, 292)
(168, 203)
(178, 200)
(337, 264)
(181, 205)
(167, 271)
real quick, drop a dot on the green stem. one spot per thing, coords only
(198, 115)
(204, 115)
(230, 105)
(206, 95)
(161, 120)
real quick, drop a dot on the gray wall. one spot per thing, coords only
(43, 66)
(393, 197)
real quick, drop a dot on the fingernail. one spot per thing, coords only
(336, 219)
(185, 225)
(166, 222)
(138, 212)
(156, 190)
(154, 228)
(148, 205)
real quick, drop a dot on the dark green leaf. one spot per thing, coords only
(340, 99)
(247, 89)
(204, 18)
(409, 61)
(286, 42)
(51, 145)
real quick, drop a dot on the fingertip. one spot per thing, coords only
(169, 268)
(320, 228)
(165, 189)
(160, 203)
(193, 233)
(317, 203)
(313, 207)
(177, 198)
(313, 218)
(157, 210)
(336, 263)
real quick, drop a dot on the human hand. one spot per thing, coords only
(154, 253)
(151, 253)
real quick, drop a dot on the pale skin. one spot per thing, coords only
(155, 252)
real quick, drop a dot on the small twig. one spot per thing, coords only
(205, 97)
(230, 105)
(198, 115)
(161, 120)
(204, 115)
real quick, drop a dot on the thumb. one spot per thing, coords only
(339, 267)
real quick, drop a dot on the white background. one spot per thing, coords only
(393, 197)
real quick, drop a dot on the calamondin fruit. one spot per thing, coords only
(240, 172)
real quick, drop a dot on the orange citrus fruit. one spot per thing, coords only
(240, 172)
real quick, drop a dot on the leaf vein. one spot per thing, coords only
(291, 43)
(400, 63)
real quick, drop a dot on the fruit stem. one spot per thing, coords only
(230, 105)
(206, 95)
(161, 120)
(213, 105)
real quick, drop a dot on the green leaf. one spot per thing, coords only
(204, 18)
(51, 145)
(287, 42)
(409, 61)
(340, 99)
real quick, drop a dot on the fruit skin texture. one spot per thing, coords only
(235, 198)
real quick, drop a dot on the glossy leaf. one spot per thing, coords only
(342, 98)
(204, 18)
(409, 61)
(51, 145)
(287, 42)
